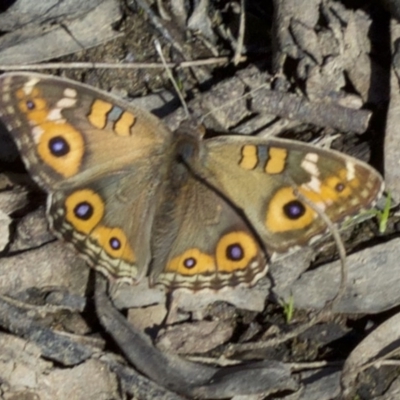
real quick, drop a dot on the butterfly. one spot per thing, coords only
(136, 199)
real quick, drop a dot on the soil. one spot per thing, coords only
(59, 297)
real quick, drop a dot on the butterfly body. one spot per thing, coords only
(137, 199)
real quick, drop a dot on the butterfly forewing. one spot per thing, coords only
(100, 159)
(277, 183)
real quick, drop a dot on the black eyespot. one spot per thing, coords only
(340, 187)
(294, 209)
(189, 262)
(115, 243)
(30, 105)
(58, 146)
(83, 210)
(234, 252)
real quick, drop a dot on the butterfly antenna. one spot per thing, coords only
(171, 78)
(339, 244)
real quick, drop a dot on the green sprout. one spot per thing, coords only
(288, 308)
(384, 214)
(381, 215)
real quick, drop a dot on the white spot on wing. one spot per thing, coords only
(314, 184)
(66, 102)
(28, 87)
(309, 164)
(70, 93)
(54, 115)
(351, 171)
(322, 206)
(313, 157)
(37, 132)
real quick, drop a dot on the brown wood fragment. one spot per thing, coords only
(392, 134)
(195, 337)
(24, 12)
(52, 345)
(185, 377)
(35, 42)
(321, 114)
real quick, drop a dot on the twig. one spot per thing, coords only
(159, 25)
(321, 113)
(53, 345)
(302, 366)
(240, 41)
(171, 78)
(263, 344)
(98, 65)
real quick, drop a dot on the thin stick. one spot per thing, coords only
(159, 25)
(240, 40)
(98, 65)
(171, 78)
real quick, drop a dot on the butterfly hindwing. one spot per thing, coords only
(203, 242)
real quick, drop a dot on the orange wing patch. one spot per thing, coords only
(123, 126)
(277, 160)
(114, 242)
(99, 112)
(190, 263)
(84, 210)
(249, 158)
(235, 251)
(59, 144)
(61, 147)
(286, 212)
